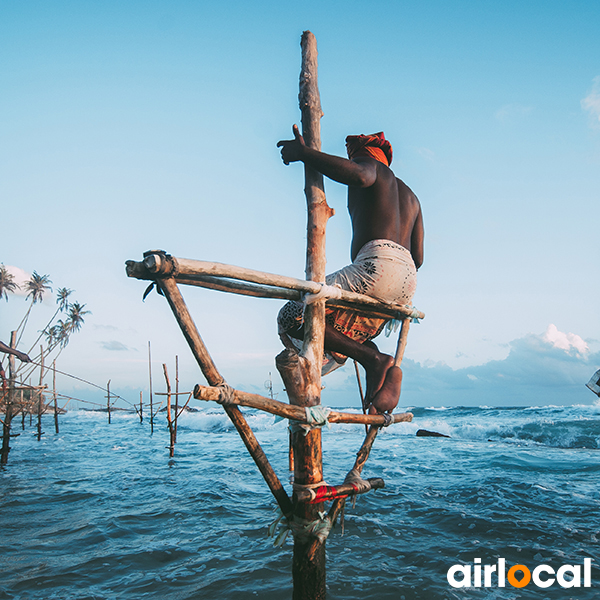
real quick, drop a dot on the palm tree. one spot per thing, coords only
(51, 334)
(57, 334)
(7, 283)
(36, 286)
(62, 334)
(76, 314)
(62, 297)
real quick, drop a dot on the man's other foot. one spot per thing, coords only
(376, 374)
(389, 394)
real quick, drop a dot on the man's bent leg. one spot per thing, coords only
(383, 387)
(387, 398)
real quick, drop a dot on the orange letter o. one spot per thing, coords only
(524, 580)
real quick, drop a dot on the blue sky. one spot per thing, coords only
(138, 125)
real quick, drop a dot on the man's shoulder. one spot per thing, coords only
(405, 191)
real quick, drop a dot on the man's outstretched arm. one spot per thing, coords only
(8, 350)
(357, 174)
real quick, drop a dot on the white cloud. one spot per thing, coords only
(565, 341)
(509, 112)
(114, 346)
(426, 153)
(591, 102)
(540, 369)
(105, 327)
(21, 277)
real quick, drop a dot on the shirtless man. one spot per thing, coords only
(387, 248)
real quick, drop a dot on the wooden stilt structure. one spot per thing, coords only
(300, 371)
(8, 391)
(40, 403)
(150, 383)
(176, 399)
(54, 396)
(24, 410)
(141, 411)
(108, 400)
(169, 414)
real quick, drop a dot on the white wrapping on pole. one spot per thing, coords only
(327, 292)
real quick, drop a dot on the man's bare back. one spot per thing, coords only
(386, 210)
(381, 207)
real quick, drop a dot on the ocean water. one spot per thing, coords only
(101, 512)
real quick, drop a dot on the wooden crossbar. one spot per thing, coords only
(330, 492)
(290, 411)
(239, 280)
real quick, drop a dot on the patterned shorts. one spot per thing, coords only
(383, 270)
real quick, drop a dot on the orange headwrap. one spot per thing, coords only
(374, 145)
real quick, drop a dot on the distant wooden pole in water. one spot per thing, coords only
(54, 396)
(8, 397)
(150, 376)
(301, 373)
(108, 400)
(141, 408)
(169, 415)
(176, 398)
(22, 403)
(40, 395)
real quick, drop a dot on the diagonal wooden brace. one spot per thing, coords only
(182, 315)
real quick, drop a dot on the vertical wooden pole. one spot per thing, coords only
(22, 401)
(360, 391)
(402, 339)
(150, 376)
(40, 395)
(54, 396)
(169, 415)
(108, 400)
(302, 373)
(8, 393)
(176, 399)
(141, 407)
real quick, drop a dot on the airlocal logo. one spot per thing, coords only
(543, 576)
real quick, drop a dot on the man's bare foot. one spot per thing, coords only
(389, 394)
(376, 373)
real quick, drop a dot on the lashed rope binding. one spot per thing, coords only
(392, 325)
(387, 419)
(359, 484)
(310, 487)
(300, 528)
(226, 394)
(326, 292)
(316, 417)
